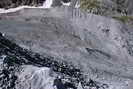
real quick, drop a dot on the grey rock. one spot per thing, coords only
(120, 6)
(101, 47)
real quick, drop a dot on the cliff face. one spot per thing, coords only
(15, 3)
(105, 7)
(7, 4)
(108, 7)
(100, 47)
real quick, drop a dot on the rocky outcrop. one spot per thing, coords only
(100, 47)
(7, 4)
(21, 69)
(108, 7)
(15, 3)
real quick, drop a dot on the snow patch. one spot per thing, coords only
(80, 86)
(47, 4)
(17, 9)
(66, 4)
(2, 58)
(77, 5)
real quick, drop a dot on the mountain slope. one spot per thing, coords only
(101, 47)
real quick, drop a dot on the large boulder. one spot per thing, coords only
(35, 78)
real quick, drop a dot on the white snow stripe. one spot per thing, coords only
(17, 9)
(66, 4)
(48, 3)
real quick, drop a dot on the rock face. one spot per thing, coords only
(108, 7)
(100, 47)
(35, 78)
(15, 3)
(22, 69)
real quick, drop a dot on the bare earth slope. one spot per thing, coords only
(101, 47)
